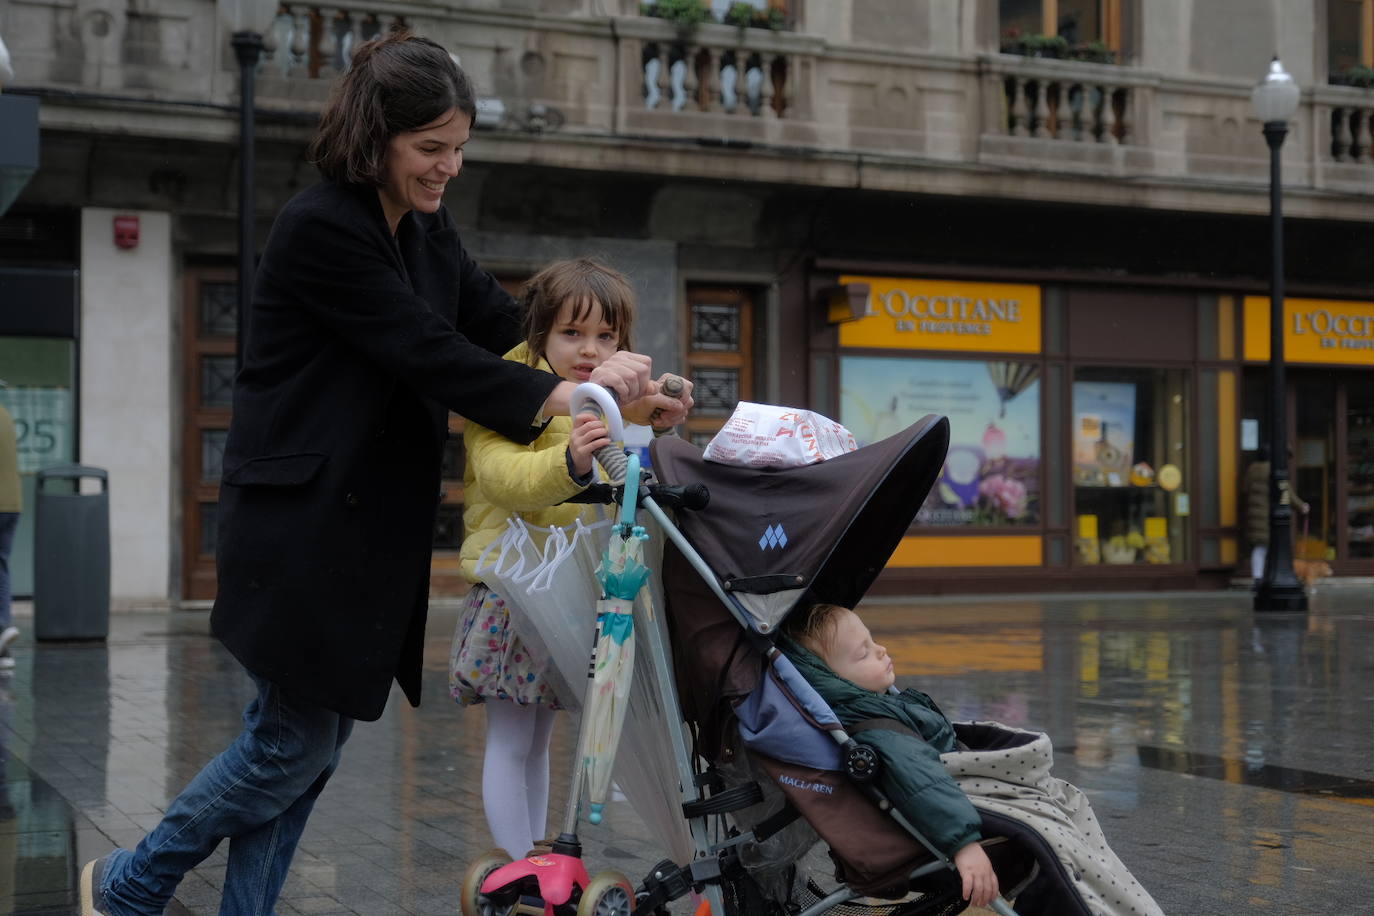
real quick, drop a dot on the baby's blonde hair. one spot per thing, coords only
(815, 627)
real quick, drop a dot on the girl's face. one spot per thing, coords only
(578, 344)
(853, 655)
(420, 162)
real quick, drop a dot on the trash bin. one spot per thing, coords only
(71, 555)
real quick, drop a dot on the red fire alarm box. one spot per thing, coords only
(126, 232)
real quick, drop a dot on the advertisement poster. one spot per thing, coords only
(992, 473)
(1103, 433)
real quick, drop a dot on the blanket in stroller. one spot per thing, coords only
(1008, 773)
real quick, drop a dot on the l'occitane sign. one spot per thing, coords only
(909, 314)
(1314, 331)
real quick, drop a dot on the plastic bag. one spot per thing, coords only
(768, 436)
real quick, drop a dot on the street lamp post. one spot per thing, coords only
(248, 19)
(1275, 100)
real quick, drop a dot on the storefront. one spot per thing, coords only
(1329, 355)
(1093, 429)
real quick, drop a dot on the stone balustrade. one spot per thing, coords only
(1344, 124)
(1068, 101)
(623, 79)
(1086, 116)
(1352, 131)
(716, 81)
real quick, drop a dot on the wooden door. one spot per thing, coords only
(720, 355)
(210, 315)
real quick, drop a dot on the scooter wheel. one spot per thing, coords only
(609, 894)
(473, 902)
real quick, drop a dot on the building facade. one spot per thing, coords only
(1046, 219)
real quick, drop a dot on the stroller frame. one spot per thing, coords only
(691, 794)
(494, 889)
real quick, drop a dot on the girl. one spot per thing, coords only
(577, 315)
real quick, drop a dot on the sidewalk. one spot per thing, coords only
(1229, 757)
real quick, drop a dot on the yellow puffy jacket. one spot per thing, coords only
(506, 480)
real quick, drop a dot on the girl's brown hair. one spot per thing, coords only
(815, 627)
(395, 84)
(585, 282)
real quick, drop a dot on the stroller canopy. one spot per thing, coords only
(824, 531)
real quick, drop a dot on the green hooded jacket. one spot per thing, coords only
(912, 777)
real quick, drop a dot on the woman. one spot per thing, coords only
(369, 323)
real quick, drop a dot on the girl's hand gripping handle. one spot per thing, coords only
(591, 398)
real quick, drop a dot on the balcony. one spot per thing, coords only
(631, 93)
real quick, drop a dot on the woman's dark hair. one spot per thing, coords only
(584, 282)
(395, 84)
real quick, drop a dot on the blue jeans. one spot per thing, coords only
(257, 793)
(9, 522)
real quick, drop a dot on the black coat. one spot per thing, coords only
(358, 344)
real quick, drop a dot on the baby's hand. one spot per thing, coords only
(980, 881)
(588, 436)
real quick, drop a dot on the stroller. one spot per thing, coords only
(771, 769)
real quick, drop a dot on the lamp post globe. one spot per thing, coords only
(1275, 98)
(1275, 101)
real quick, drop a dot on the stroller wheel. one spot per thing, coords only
(473, 902)
(609, 894)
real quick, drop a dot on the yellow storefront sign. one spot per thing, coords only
(911, 314)
(1314, 331)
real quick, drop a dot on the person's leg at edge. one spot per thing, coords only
(259, 860)
(510, 735)
(1257, 561)
(285, 747)
(537, 772)
(9, 523)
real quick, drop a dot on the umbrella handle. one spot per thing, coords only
(592, 398)
(631, 493)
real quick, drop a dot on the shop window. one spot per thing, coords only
(1093, 30)
(1130, 465)
(991, 475)
(1350, 42)
(1360, 471)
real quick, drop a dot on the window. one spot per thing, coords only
(1350, 40)
(1095, 30)
(1130, 471)
(991, 474)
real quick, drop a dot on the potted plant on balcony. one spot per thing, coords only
(686, 15)
(744, 15)
(1359, 77)
(1035, 44)
(1094, 52)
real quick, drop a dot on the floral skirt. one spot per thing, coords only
(488, 661)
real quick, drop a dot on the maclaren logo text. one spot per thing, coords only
(819, 788)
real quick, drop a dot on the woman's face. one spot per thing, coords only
(420, 162)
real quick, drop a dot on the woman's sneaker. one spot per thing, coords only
(91, 875)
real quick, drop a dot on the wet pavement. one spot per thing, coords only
(1228, 755)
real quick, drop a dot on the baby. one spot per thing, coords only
(934, 781)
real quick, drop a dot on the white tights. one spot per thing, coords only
(515, 774)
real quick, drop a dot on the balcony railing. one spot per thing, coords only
(716, 81)
(1085, 116)
(849, 107)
